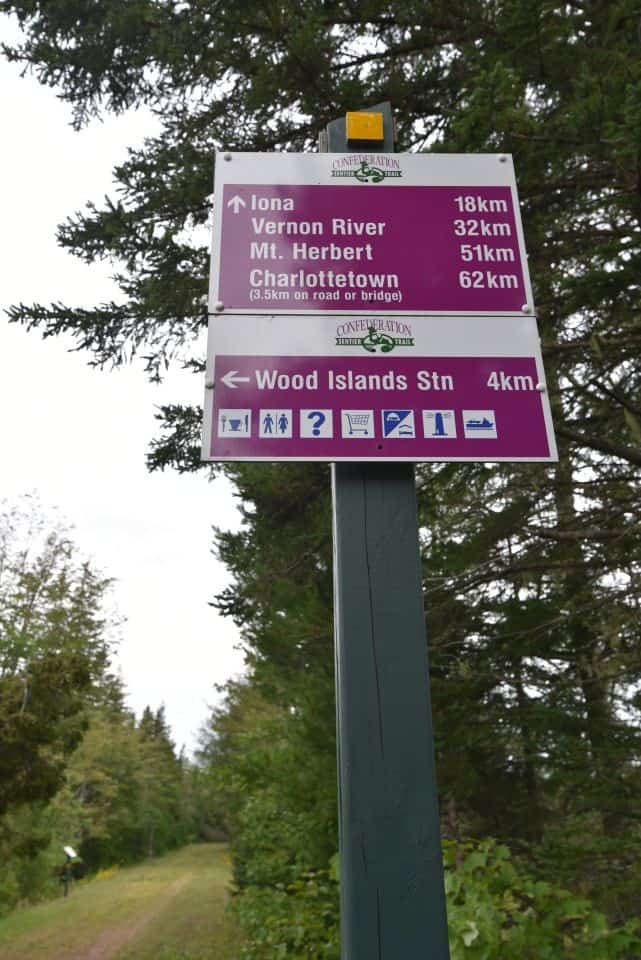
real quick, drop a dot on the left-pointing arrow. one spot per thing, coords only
(236, 202)
(231, 379)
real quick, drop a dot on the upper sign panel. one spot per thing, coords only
(367, 233)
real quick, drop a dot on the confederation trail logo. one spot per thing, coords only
(371, 169)
(381, 336)
(367, 174)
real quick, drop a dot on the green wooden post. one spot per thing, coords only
(392, 896)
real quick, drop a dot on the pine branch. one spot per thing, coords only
(601, 444)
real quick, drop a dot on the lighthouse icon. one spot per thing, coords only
(439, 429)
(439, 424)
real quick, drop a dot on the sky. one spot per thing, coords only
(77, 437)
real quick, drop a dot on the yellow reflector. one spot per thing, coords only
(364, 126)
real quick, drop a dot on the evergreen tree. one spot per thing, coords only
(54, 654)
(531, 573)
(55, 646)
(161, 782)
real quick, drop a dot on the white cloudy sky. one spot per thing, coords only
(78, 436)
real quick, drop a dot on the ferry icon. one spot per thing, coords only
(483, 424)
(480, 424)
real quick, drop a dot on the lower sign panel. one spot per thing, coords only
(377, 408)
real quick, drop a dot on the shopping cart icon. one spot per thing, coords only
(357, 423)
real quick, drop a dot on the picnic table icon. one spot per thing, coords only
(358, 422)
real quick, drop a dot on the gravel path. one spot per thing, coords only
(113, 939)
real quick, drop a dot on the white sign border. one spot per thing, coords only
(526, 342)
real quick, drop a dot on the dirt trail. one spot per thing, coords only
(113, 939)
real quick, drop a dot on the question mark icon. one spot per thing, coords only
(318, 421)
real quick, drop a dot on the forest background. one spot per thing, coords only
(531, 573)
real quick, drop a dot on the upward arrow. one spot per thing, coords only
(236, 202)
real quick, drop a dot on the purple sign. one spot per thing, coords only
(348, 239)
(290, 248)
(357, 408)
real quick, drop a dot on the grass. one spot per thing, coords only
(172, 908)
